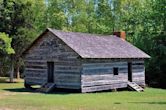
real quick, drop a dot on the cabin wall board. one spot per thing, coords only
(138, 70)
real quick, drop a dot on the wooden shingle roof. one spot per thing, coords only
(99, 46)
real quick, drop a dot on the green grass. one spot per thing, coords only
(14, 97)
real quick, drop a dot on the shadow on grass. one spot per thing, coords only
(55, 91)
(19, 90)
(117, 103)
(148, 102)
(58, 91)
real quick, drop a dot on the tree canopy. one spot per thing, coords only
(5, 45)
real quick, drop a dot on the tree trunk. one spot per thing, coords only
(18, 71)
(1, 73)
(12, 69)
(12, 72)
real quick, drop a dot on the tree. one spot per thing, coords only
(5, 50)
(17, 21)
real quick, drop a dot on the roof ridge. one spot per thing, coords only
(97, 35)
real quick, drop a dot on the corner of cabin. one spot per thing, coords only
(49, 48)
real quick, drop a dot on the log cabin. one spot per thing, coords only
(82, 61)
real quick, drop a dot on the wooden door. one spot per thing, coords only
(130, 71)
(50, 71)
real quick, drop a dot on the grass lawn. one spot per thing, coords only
(13, 96)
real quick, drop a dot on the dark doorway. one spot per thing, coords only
(130, 71)
(50, 70)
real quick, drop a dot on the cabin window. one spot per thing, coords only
(115, 71)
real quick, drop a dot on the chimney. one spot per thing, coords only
(120, 34)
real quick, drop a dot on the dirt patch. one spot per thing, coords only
(6, 94)
(13, 93)
(5, 108)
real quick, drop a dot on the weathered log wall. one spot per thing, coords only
(138, 70)
(98, 74)
(66, 68)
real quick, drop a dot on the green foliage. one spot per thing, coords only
(5, 44)
(17, 20)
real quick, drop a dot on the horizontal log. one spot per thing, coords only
(68, 86)
(34, 58)
(36, 66)
(103, 77)
(35, 78)
(138, 62)
(138, 73)
(66, 72)
(138, 70)
(35, 62)
(67, 68)
(140, 82)
(36, 69)
(138, 78)
(138, 66)
(35, 81)
(67, 78)
(102, 82)
(71, 63)
(35, 74)
(112, 64)
(103, 87)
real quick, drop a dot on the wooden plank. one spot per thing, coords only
(139, 73)
(68, 86)
(71, 63)
(35, 62)
(137, 70)
(67, 68)
(35, 80)
(103, 77)
(35, 69)
(110, 64)
(35, 74)
(102, 82)
(36, 66)
(103, 87)
(134, 86)
(138, 62)
(140, 82)
(67, 78)
(66, 72)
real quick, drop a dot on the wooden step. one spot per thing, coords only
(46, 87)
(134, 86)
